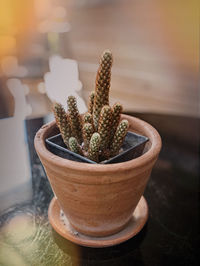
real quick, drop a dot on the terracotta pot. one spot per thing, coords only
(99, 200)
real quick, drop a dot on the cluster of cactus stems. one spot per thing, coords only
(99, 133)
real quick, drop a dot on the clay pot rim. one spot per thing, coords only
(144, 159)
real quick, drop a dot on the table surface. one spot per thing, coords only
(169, 238)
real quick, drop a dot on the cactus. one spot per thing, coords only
(105, 123)
(87, 134)
(102, 85)
(74, 146)
(104, 155)
(94, 147)
(74, 118)
(117, 110)
(87, 118)
(62, 121)
(91, 102)
(119, 137)
(99, 134)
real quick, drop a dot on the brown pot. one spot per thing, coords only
(99, 200)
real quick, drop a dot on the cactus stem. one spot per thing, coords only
(91, 102)
(102, 85)
(117, 110)
(87, 118)
(62, 122)
(87, 134)
(105, 123)
(74, 146)
(94, 147)
(75, 119)
(119, 137)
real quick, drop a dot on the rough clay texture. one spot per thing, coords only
(99, 199)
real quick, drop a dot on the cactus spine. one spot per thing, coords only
(62, 122)
(102, 85)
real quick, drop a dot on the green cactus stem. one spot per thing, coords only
(74, 146)
(117, 110)
(119, 137)
(87, 118)
(105, 123)
(87, 134)
(94, 146)
(74, 118)
(62, 122)
(102, 85)
(91, 102)
(98, 134)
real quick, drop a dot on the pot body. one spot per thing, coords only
(99, 200)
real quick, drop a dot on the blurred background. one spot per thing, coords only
(154, 44)
(50, 49)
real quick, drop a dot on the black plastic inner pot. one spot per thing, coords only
(132, 148)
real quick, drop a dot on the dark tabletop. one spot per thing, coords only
(171, 236)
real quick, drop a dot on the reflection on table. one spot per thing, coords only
(26, 237)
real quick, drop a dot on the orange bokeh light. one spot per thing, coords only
(17, 18)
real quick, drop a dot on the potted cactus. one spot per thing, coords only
(99, 134)
(80, 135)
(98, 197)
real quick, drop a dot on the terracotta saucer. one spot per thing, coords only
(62, 226)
